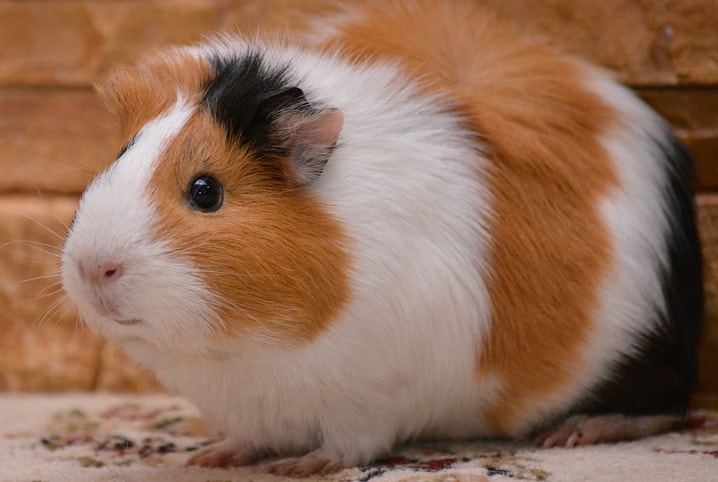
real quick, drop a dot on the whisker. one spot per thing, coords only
(31, 243)
(45, 227)
(41, 196)
(41, 277)
(48, 249)
(48, 313)
(44, 294)
(56, 287)
(38, 263)
(24, 242)
(48, 252)
(83, 168)
(62, 222)
(80, 324)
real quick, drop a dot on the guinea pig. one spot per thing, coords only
(413, 224)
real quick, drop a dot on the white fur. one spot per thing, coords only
(632, 301)
(115, 223)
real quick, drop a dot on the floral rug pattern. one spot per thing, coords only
(150, 438)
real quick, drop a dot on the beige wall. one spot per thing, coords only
(54, 135)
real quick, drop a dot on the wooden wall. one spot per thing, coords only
(54, 135)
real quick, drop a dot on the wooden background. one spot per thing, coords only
(54, 135)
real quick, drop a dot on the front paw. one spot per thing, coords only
(311, 464)
(224, 454)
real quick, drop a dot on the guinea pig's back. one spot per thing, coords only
(594, 281)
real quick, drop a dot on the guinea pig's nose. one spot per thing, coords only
(100, 273)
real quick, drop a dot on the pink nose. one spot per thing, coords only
(100, 273)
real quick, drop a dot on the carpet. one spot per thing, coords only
(102, 437)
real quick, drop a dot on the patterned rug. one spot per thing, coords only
(75, 438)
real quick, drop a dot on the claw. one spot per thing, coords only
(310, 464)
(223, 454)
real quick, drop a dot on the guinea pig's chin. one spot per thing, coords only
(116, 319)
(127, 322)
(113, 329)
(101, 317)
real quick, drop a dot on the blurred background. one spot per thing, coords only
(55, 135)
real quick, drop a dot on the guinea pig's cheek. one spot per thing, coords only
(123, 278)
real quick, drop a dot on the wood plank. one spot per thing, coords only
(693, 112)
(54, 140)
(708, 353)
(46, 42)
(42, 345)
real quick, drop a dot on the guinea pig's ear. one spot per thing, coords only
(304, 134)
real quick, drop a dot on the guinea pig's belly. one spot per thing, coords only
(287, 404)
(241, 401)
(288, 418)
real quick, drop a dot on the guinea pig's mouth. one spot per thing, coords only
(132, 321)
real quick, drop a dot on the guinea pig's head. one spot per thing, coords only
(206, 230)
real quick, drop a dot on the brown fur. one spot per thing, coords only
(550, 250)
(142, 92)
(271, 252)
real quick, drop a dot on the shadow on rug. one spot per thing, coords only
(53, 438)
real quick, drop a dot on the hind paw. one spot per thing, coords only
(582, 430)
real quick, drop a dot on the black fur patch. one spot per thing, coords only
(662, 378)
(245, 97)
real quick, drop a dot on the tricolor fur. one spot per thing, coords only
(430, 228)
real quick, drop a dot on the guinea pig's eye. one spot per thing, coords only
(205, 194)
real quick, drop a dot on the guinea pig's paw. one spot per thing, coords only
(559, 436)
(582, 430)
(313, 463)
(224, 454)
